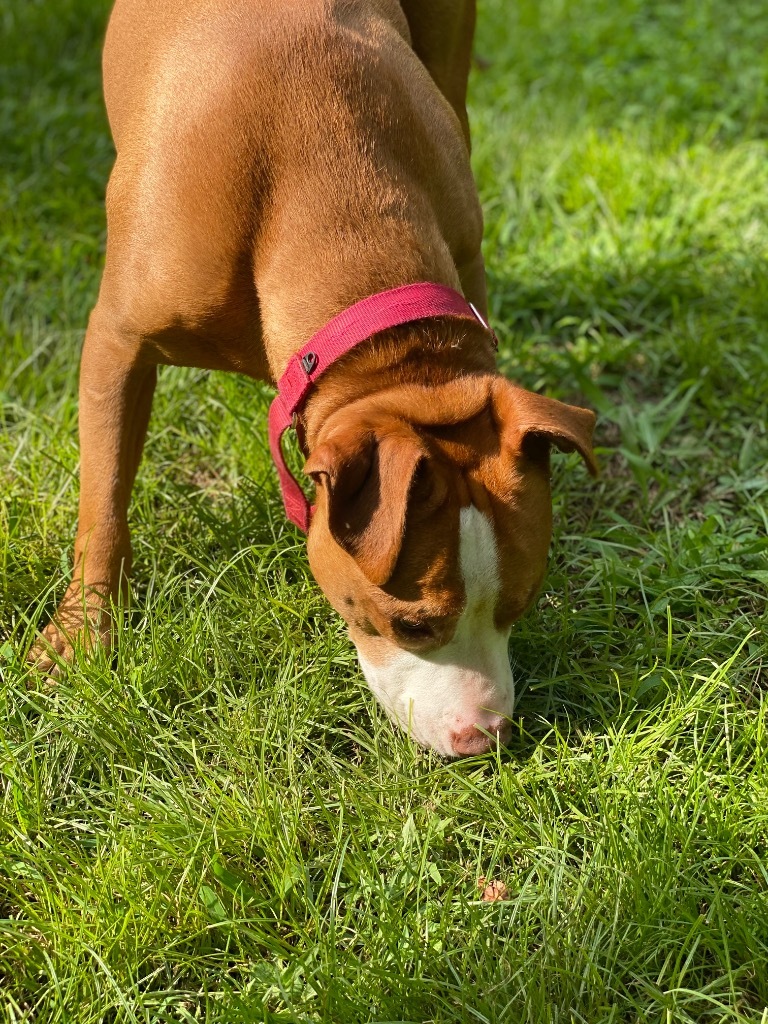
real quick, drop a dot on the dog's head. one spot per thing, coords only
(430, 538)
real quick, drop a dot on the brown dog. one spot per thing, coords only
(277, 162)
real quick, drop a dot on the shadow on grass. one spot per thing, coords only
(57, 50)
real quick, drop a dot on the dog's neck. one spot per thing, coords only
(428, 353)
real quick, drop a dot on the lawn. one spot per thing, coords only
(218, 823)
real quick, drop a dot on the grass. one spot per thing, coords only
(218, 824)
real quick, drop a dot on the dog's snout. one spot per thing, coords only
(481, 737)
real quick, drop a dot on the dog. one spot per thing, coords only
(279, 164)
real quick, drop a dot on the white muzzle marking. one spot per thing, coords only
(468, 681)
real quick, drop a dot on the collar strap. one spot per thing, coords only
(355, 324)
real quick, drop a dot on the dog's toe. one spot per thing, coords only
(48, 652)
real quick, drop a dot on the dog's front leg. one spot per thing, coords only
(116, 389)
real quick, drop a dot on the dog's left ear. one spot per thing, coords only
(539, 422)
(365, 481)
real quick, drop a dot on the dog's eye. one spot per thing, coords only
(409, 629)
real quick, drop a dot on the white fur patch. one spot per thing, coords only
(468, 680)
(478, 561)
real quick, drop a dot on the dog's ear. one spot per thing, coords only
(538, 422)
(364, 484)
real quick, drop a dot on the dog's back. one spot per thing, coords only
(307, 142)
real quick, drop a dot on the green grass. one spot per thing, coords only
(219, 824)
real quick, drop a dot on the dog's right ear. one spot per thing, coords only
(364, 483)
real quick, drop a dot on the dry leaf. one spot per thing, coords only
(492, 891)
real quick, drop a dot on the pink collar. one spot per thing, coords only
(353, 325)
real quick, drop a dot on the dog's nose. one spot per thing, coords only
(470, 739)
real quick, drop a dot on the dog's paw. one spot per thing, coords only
(52, 650)
(75, 625)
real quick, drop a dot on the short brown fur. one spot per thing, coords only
(276, 162)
